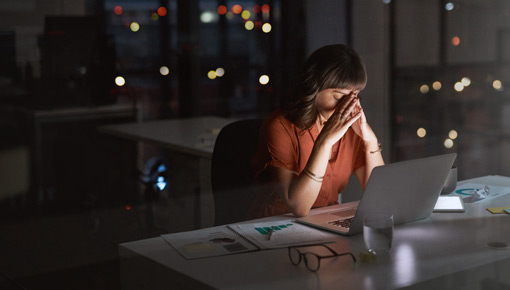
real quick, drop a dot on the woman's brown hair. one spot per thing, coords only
(329, 67)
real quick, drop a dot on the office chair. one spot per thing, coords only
(232, 179)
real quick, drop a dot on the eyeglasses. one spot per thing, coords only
(312, 260)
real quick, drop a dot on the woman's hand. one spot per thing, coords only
(344, 116)
(361, 126)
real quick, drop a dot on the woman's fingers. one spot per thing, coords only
(346, 111)
(354, 118)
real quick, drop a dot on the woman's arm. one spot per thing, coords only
(373, 156)
(299, 191)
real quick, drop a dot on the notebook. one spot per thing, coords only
(408, 189)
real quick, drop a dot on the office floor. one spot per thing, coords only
(74, 246)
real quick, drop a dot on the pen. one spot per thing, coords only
(271, 233)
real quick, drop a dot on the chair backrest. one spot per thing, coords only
(232, 178)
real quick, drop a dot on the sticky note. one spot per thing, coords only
(503, 209)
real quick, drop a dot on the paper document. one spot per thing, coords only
(240, 238)
(208, 242)
(449, 203)
(474, 192)
(285, 233)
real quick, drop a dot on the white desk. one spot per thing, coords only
(445, 251)
(195, 136)
(191, 143)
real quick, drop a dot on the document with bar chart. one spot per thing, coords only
(240, 238)
(280, 234)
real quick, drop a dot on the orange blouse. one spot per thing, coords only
(282, 144)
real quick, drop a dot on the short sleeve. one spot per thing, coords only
(277, 145)
(280, 145)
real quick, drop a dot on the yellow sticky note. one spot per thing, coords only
(497, 209)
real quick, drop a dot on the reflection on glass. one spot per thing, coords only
(405, 264)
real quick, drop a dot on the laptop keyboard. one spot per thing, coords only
(342, 223)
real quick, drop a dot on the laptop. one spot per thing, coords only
(408, 189)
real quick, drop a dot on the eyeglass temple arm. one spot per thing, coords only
(341, 254)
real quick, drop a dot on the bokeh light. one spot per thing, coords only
(459, 87)
(448, 143)
(424, 89)
(455, 41)
(237, 9)
(264, 79)
(162, 11)
(118, 10)
(134, 26)
(265, 8)
(249, 25)
(266, 27)
(208, 17)
(497, 84)
(436, 85)
(222, 10)
(246, 15)
(465, 81)
(421, 132)
(453, 134)
(449, 6)
(164, 70)
(220, 72)
(120, 81)
(211, 75)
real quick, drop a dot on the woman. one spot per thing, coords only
(318, 138)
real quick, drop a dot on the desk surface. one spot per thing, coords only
(444, 245)
(193, 136)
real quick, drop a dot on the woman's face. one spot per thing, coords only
(328, 99)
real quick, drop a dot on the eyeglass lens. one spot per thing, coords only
(295, 256)
(312, 261)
